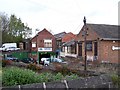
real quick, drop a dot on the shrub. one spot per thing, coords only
(6, 62)
(116, 80)
(46, 77)
(34, 66)
(58, 77)
(19, 64)
(17, 76)
(61, 68)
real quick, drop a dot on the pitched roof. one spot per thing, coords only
(44, 30)
(60, 35)
(71, 42)
(68, 37)
(105, 31)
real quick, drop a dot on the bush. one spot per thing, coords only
(17, 76)
(61, 69)
(58, 77)
(6, 62)
(116, 80)
(19, 64)
(34, 66)
(46, 77)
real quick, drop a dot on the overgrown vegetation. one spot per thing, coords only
(33, 66)
(6, 62)
(18, 76)
(116, 80)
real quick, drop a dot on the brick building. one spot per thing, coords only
(43, 45)
(59, 42)
(102, 43)
(68, 37)
(62, 38)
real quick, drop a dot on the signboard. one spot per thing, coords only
(47, 40)
(44, 49)
(115, 48)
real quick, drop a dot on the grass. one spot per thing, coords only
(116, 80)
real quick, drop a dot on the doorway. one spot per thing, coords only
(79, 49)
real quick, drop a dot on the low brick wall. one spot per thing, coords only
(102, 81)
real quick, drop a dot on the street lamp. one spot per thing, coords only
(85, 34)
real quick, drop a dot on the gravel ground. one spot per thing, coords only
(79, 65)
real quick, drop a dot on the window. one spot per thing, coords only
(33, 44)
(47, 43)
(63, 49)
(68, 49)
(89, 46)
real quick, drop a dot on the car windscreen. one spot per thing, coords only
(9, 55)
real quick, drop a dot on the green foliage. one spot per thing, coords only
(116, 80)
(46, 77)
(18, 76)
(58, 77)
(13, 29)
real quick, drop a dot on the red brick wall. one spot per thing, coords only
(106, 53)
(92, 36)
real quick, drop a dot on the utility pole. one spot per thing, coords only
(85, 34)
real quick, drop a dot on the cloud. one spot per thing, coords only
(62, 15)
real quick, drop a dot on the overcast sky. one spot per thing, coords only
(62, 15)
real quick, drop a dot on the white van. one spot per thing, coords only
(9, 47)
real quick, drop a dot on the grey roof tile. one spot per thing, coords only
(105, 31)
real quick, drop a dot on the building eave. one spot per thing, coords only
(116, 39)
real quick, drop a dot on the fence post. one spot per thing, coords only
(66, 84)
(44, 86)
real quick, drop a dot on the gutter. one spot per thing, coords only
(116, 39)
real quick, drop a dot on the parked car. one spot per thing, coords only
(27, 60)
(47, 61)
(58, 60)
(10, 57)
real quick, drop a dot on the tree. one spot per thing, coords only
(12, 29)
(18, 29)
(4, 23)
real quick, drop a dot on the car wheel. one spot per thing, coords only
(46, 64)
